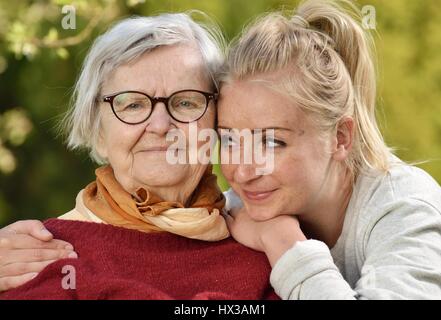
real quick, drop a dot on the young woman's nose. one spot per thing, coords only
(245, 173)
(159, 121)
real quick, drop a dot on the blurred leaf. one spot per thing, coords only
(62, 53)
(133, 3)
(7, 161)
(52, 35)
(15, 126)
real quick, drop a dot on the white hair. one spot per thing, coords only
(124, 42)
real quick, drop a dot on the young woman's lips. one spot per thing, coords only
(258, 195)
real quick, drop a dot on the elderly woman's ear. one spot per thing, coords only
(342, 142)
(100, 146)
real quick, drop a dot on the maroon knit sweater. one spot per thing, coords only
(118, 263)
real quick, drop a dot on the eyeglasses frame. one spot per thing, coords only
(154, 100)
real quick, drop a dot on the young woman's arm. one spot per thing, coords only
(398, 252)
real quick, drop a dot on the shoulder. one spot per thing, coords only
(80, 212)
(402, 204)
(402, 185)
(73, 215)
(407, 181)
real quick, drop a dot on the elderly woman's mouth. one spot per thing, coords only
(156, 149)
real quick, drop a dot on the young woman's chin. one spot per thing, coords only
(261, 213)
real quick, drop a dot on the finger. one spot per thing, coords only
(33, 255)
(9, 283)
(34, 228)
(23, 241)
(18, 269)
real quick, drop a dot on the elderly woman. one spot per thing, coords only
(145, 228)
(339, 217)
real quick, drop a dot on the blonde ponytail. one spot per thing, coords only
(329, 59)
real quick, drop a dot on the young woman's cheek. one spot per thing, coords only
(227, 171)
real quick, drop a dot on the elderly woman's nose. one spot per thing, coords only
(159, 121)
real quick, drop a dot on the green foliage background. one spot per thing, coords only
(39, 61)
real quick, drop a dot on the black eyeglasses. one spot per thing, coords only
(134, 107)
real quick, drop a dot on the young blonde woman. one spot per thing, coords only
(340, 217)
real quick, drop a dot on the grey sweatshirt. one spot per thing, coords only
(390, 246)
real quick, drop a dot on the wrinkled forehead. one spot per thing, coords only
(165, 69)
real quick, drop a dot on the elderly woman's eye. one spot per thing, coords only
(133, 106)
(227, 142)
(187, 104)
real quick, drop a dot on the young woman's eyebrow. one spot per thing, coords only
(274, 128)
(255, 129)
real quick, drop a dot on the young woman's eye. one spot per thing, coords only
(273, 143)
